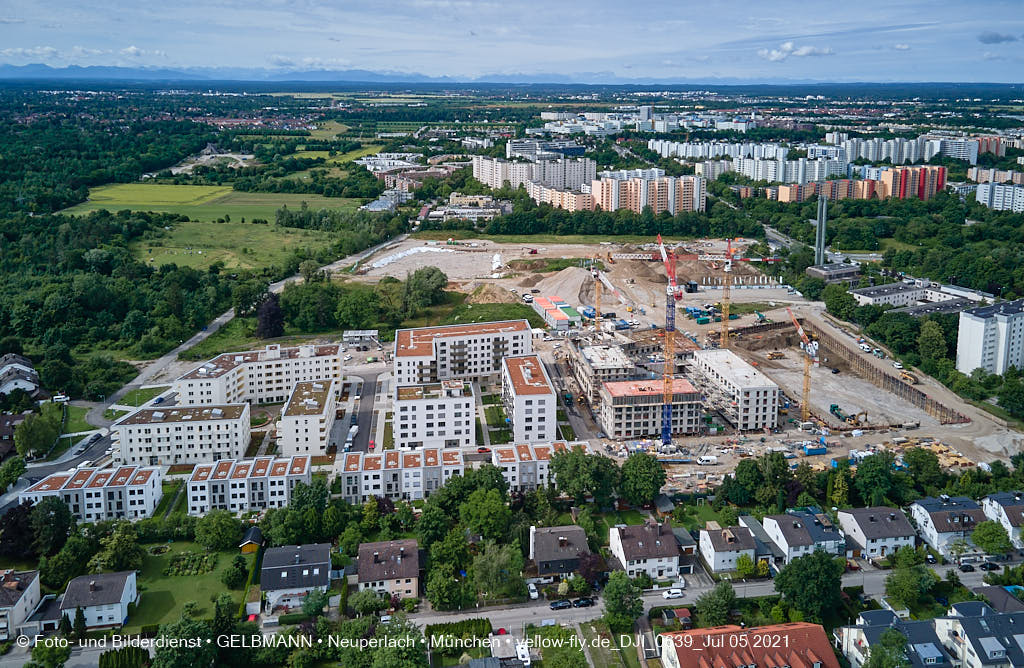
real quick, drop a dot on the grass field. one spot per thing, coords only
(239, 334)
(464, 313)
(330, 129)
(76, 420)
(164, 597)
(111, 414)
(200, 203)
(141, 395)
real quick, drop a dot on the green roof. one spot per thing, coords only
(570, 311)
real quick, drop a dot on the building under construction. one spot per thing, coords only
(742, 395)
(633, 409)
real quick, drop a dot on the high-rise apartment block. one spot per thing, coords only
(991, 338)
(307, 419)
(529, 399)
(1001, 197)
(432, 354)
(668, 193)
(567, 173)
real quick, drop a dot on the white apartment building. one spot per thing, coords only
(398, 475)
(706, 150)
(721, 548)
(529, 399)
(789, 171)
(991, 338)
(875, 532)
(1007, 508)
(564, 173)
(307, 419)
(632, 408)
(95, 495)
(246, 484)
(945, 520)
(183, 435)
(799, 533)
(258, 376)
(448, 352)
(593, 366)
(712, 169)
(649, 548)
(746, 396)
(19, 598)
(527, 467)
(437, 415)
(1000, 197)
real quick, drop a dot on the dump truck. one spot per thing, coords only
(776, 355)
(909, 377)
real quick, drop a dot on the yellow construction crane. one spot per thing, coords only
(810, 358)
(723, 339)
(597, 293)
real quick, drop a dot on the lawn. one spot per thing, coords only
(490, 312)
(698, 516)
(495, 416)
(602, 656)
(163, 597)
(567, 432)
(549, 264)
(240, 334)
(76, 420)
(111, 414)
(168, 489)
(140, 396)
(329, 130)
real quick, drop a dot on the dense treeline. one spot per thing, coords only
(356, 181)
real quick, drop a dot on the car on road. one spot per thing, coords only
(988, 566)
(372, 444)
(672, 593)
(966, 568)
(354, 420)
(348, 358)
(897, 365)
(483, 449)
(583, 602)
(930, 558)
(561, 604)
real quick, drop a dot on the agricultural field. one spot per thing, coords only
(200, 203)
(330, 129)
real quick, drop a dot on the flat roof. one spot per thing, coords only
(648, 388)
(1014, 307)
(420, 342)
(184, 414)
(309, 398)
(450, 388)
(948, 306)
(887, 289)
(730, 366)
(528, 375)
(227, 361)
(605, 357)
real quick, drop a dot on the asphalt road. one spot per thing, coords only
(366, 403)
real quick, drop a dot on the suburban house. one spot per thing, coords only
(944, 520)
(923, 649)
(19, 597)
(649, 548)
(798, 645)
(17, 373)
(687, 549)
(720, 547)
(1007, 508)
(765, 548)
(875, 532)
(555, 551)
(290, 572)
(103, 597)
(390, 567)
(800, 533)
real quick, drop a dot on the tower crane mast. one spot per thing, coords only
(810, 358)
(672, 294)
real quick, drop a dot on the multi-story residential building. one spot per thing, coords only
(564, 173)
(798, 644)
(537, 149)
(923, 647)
(96, 495)
(633, 408)
(649, 548)
(432, 354)
(721, 548)
(993, 175)
(560, 198)
(747, 398)
(390, 568)
(436, 415)
(19, 598)
(529, 399)
(1007, 508)
(991, 338)
(103, 598)
(673, 194)
(712, 169)
(246, 484)
(976, 636)
(706, 150)
(290, 572)
(527, 467)
(593, 366)
(555, 551)
(875, 532)
(398, 475)
(1000, 197)
(183, 435)
(943, 521)
(258, 376)
(307, 419)
(799, 533)
(912, 182)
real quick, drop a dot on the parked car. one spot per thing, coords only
(482, 449)
(532, 590)
(897, 365)
(583, 602)
(561, 604)
(372, 444)
(988, 566)
(672, 593)
(835, 370)
(348, 358)
(930, 558)
(966, 568)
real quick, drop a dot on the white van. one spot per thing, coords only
(707, 460)
(865, 347)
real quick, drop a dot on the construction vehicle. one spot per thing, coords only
(835, 410)
(810, 357)
(858, 419)
(672, 295)
(776, 355)
(597, 290)
(760, 317)
(909, 377)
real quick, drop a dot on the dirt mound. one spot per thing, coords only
(488, 293)
(531, 281)
(571, 284)
(647, 271)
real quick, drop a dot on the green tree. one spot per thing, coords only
(52, 523)
(64, 626)
(333, 522)
(579, 475)
(991, 537)
(49, 655)
(433, 524)
(35, 434)
(931, 342)
(889, 652)
(445, 589)
(235, 576)
(812, 582)
(498, 571)
(487, 513)
(314, 603)
(622, 602)
(185, 643)
(79, 628)
(367, 602)
(10, 471)
(923, 467)
(218, 530)
(745, 566)
(875, 477)
(641, 479)
(713, 606)
(119, 551)
(270, 318)
(371, 515)
(957, 549)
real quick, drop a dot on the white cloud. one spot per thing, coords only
(901, 47)
(787, 49)
(82, 51)
(9, 19)
(135, 52)
(45, 52)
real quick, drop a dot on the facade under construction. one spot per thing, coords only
(744, 396)
(632, 409)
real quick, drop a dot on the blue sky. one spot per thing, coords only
(867, 40)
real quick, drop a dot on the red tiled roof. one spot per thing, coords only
(798, 645)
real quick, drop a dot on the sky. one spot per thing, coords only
(862, 40)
